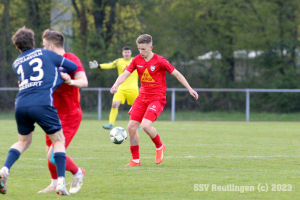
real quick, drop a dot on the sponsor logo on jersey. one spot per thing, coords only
(146, 77)
(152, 67)
(153, 108)
(139, 66)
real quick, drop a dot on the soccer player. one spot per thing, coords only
(149, 104)
(38, 72)
(128, 90)
(67, 103)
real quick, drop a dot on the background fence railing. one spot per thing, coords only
(173, 97)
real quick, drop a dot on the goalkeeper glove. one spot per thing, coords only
(94, 64)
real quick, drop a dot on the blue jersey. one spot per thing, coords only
(38, 72)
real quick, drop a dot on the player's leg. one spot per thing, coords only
(134, 143)
(70, 124)
(52, 170)
(13, 155)
(130, 96)
(136, 115)
(46, 117)
(153, 111)
(78, 174)
(58, 141)
(25, 129)
(113, 115)
(118, 99)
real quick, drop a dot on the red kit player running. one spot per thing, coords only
(150, 103)
(67, 103)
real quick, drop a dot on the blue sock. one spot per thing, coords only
(12, 157)
(60, 161)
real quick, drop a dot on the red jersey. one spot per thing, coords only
(152, 75)
(67, 97)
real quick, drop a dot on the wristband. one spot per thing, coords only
(71, 82)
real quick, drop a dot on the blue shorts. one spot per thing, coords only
(45, 116)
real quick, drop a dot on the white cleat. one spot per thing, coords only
(49, 189)
(61, 190)
(77, 182)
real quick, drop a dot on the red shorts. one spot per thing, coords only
(145, 108)
(70, 125)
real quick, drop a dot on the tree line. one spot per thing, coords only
(182, 31)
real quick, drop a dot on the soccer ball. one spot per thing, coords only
(118, 135)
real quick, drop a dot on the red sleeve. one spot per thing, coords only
(166, 65)
(131, 67)
(76, 60)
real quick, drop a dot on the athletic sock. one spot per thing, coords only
(135, 152)
(113, 115)
(79, 172)
(52, 169)
(157, 141)
(5, 170)
(53, 182)
(136, 160)
(60, 160)
(61, 180)
(71, 166)
(12, 156)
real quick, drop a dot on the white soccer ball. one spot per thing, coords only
(118, 135)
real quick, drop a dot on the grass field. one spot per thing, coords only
(195, 116)
(216, 153)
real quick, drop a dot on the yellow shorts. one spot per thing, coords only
(129, 94)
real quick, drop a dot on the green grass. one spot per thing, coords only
(206, 116)
(221, 153)
(191, 116)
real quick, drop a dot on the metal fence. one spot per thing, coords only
(174, 90)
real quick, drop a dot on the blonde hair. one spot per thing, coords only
(144, 39)
(55, 37)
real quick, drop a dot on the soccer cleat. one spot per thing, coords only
(133, 164)
(77, 182)
(108, 126)
(3, 178)
(61, 190)
(49, 189)
(160, 155)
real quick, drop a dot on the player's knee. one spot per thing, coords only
(146, 127)
(25, 143)
(131, 129)
(116, 104)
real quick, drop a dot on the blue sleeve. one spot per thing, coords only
(69, 66)
(64, 64)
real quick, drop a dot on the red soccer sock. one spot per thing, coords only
(157, 141)
(52, 169)
(135, 152)
(71, 166)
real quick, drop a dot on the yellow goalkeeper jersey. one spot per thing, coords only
(132, 81)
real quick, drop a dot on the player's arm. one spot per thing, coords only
(184, 82)
(69, 66)
(119, 81)
(61, 62)
(94, 64)
(80, 79)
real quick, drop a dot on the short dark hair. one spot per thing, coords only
(24, 39)
(55, 37)
(144, 39)
(126, 48)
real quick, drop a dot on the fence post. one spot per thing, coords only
(99, 104)
(247, 105)
(173, 105)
